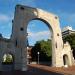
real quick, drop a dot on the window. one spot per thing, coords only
(16, 43)
(56, 17)
(56, 44)
(57, 34)
(21, 29)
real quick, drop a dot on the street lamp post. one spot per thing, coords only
(38, 56)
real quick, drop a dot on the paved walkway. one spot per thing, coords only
(62, 70)
(31, 71)
(43, 70)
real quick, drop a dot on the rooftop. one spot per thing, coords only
(67, 28)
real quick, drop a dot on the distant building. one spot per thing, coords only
(67, 31)
(29, 57)
(1, 35)
(29, 48)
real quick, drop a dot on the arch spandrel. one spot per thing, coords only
(52, 19)
(28, 13)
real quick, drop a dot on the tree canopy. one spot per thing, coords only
(7, 59)
(44, 48)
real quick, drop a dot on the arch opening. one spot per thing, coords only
(65, 60)
(40, 31)
(8, 59)
(44, 23)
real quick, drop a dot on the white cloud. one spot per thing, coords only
(8, 37)
(39, 35)
(4, 18)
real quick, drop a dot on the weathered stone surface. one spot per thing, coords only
(23, 15)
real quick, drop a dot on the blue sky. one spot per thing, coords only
(65, 9)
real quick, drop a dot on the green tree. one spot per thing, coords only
(45, 49)
(7, 59)
(71, 39)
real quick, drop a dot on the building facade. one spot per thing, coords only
(29, 56)
(67, 31)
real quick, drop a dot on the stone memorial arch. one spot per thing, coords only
(23, 15)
